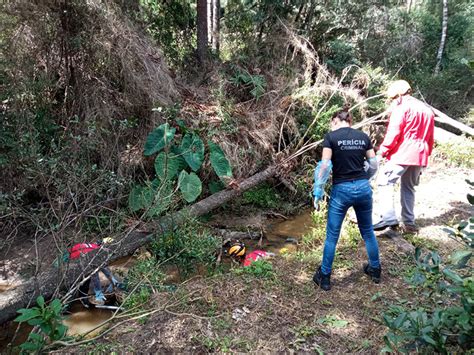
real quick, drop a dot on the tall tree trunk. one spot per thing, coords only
(443, 37)
(409, 3)
(298, 15)
(202, 40)
(309, 16)
(216, 27)
(210, 7)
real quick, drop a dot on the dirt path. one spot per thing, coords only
(282, 310)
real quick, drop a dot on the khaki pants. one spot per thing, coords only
(409, 176)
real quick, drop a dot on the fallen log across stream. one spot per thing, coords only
(70, 275)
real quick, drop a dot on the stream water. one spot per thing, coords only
(279, 236)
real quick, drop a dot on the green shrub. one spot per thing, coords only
(48, 318)
(260, 268)
(187, 246)
(350, 235)
(444, 326)
(176, 163)
(263, 196)
(461, 155)
(254, 84)
(315, 238)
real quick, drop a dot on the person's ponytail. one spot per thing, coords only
(344, 115)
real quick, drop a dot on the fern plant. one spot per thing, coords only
(256, 83)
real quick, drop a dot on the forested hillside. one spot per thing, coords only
(175, 126)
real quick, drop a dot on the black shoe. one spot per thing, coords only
(374, 273)
(323, 281)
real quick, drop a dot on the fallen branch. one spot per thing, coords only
(450, 124)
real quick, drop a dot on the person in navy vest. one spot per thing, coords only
(349, 154)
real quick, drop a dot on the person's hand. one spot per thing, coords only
(316, 204)
(379, 157)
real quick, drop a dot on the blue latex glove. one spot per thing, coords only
(99, 296)
(321, 176)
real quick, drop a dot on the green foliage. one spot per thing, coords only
(48, 318)
(263, 196)
(333, 321)
(223, 344)
(315, 238)
(340, 54)
(254, 83)
(456, 154)
(172, 25)
(350, 235)
(216, 186)
(154, 198)
(168, 166)
(172, 161)
(187, 246)
(260, 268)
(158, 139)
(421, 242)
(218, 160)
(193, 150)
(144, 277)
(190, 186)
(439, 328)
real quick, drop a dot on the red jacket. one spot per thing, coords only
(82, 248)
(409, 138)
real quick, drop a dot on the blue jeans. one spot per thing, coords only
(95, 279)
(358, 194)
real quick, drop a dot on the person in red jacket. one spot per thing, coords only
(407, 145)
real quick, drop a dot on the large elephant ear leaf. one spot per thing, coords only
(158, 139)
(168, 165)
(219, 162)
(140, 197)
(192, 148)
(163, 196)
(190, 186)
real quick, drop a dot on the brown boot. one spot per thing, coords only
(409, 229)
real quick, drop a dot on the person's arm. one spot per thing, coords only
(321, 175)
(372, 163)
(394, 131)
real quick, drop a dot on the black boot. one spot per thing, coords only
(374, 273)
(322, 280)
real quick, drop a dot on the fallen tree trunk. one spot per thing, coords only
(450, 124)
(71, 275)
